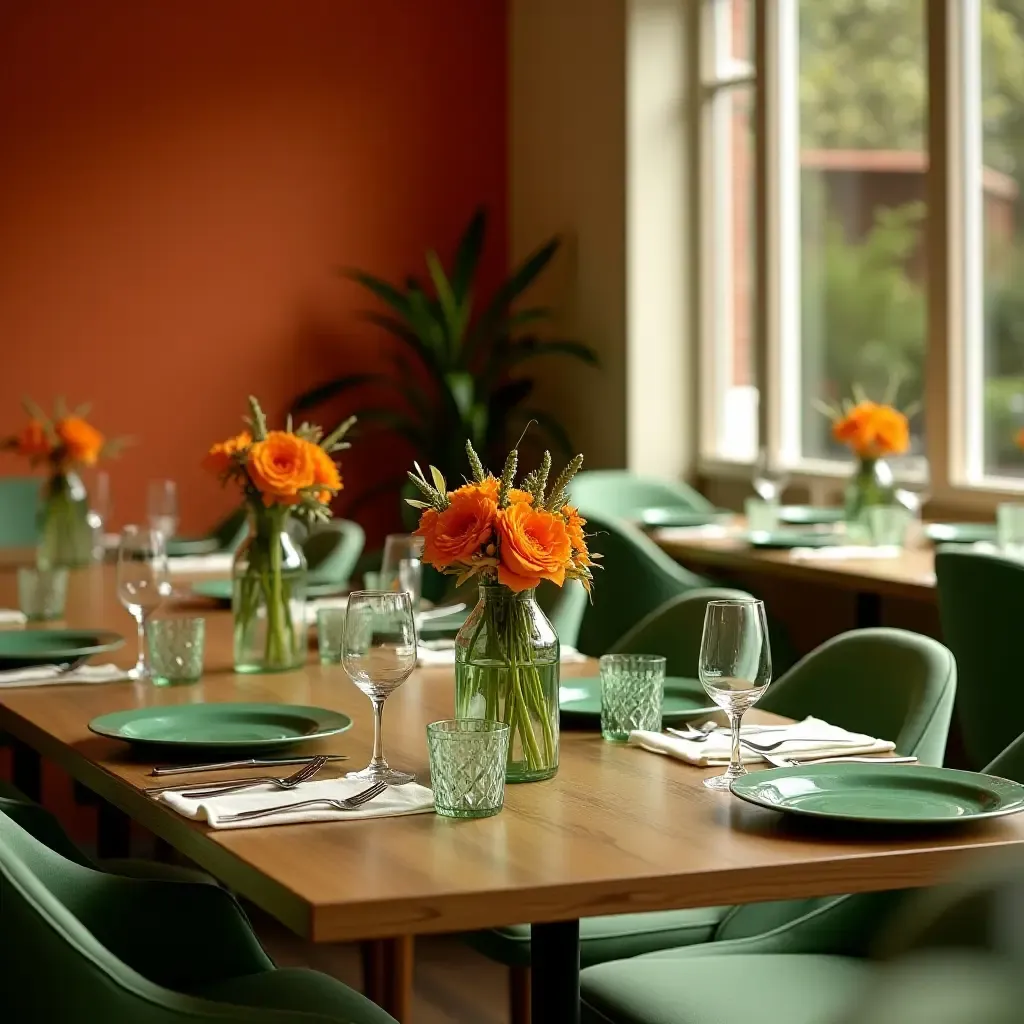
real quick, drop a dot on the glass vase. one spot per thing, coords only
(871, 485)
(269, 596)
(506, 670)
(65, 533)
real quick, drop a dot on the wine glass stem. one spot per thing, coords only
(377, 761)
(140, 622)
(735, 757)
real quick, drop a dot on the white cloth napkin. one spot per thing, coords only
(709, 531)
(811, 736)
(219, 562)
(841, 553)
(50, 675)
(438, 653)
(409, 799)
(12, 617)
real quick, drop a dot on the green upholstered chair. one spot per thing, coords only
(79, 945)
(332, 551)
(635, 578)
(885, 682)
(619, 494)
(19, 511)
(816, 971)
(565, 607)
(227, 535)
(981, 606)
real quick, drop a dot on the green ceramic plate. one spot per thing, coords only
(20, 648)
(894, 794)
(786, 539)
(253, 726)
(809, 515)
(178, 546)
(961, 533)
(669, 516)
(580, 701)
(220, 590)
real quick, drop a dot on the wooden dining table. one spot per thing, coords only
(617, 830)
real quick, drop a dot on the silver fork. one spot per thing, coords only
(348, 804)
(778, 761)
(201, 790)
(761, 748)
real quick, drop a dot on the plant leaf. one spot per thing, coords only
(461, 386)
(451, 311)
(387, 293)
(332, 388)
(549, 425)
(532, 347)
(467, 256)
(439, 481)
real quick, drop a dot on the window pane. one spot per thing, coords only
(1001, 175)
(730, 274)
(862, 96)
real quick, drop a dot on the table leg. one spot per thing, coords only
(869, 610)
(372, 954)
(113, 832)
(399, 958)
(27, 770)
(555, 989)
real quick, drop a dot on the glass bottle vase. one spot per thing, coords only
(871, 485)
(269, 596)
(507, 670)
(65, 533)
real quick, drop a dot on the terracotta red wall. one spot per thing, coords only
(178, 180)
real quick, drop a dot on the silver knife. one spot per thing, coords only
(247, 762)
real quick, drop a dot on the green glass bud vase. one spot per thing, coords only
(65, 534)
(507, 664)
(870, 486)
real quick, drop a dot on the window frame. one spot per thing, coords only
(952, 471)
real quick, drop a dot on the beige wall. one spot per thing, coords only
(597, 151)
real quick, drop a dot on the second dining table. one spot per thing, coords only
(617, 830)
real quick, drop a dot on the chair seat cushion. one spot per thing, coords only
(295, 988)
(609, 938)
(737, 989)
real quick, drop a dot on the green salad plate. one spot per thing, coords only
(785, 540)
(810, 515)
(22, 648)
(249, 726)
(580, 701)
(178, 546)
(961, 533)
(883, 793)
(670, 516)
(220, 590)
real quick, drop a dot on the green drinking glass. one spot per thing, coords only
(330, 633)
(467, 766)
(42, 593)
(176, 650)
(632, 691)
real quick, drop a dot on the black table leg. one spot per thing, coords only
(555, 955)
(27, 770)
(113, 832)
(869, 610)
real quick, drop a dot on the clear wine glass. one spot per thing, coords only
(735, 668)
(769, 480)
(162, 507)
(379, 654)
(402, 565)
(142, 582)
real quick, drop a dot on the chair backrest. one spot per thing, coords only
(675, 629)
(618, 494)
(231, 531)
(332, 551)
(889, 683)
(19, 511)
(565, 607)
(635, 577)
(981, 607)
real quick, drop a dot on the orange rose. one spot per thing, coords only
(873, 430)
(490, 487)
(220, 458)
(325, 472)
(280, 466)
(535, 546)
(462, 529)
(82, 441)
(574, 524)
(33, 440)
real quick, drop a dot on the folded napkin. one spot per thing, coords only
(708, 531)
(438, 653)
(841, 553)
(51, 675)
(12, 617)
(219, 562)
(409, 799)
(811, 736)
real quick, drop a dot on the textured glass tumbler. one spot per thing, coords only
(330, 634)
(1010, 528)
(42, 593)
(467, 766)
(888, 524)
(176, 650)
(632, 690)
(762, 516)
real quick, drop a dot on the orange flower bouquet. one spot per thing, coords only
(511, 539)
(281, 473)
(63, 442)
(873, 431)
